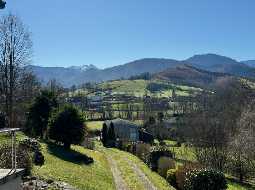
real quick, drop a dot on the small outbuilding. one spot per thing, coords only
(124, 130)
(128, 131)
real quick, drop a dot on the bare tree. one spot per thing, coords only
(15, 54)
(210, 127)
(242, 146)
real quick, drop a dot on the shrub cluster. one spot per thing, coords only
(31, 144)
(164, 164)
(142, 150)
(193, 177)
(34, 147)
(205, 180)
(171, 177)
(182, 172)
(155, 153)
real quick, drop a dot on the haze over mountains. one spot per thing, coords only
(249, 62)
(76, 75)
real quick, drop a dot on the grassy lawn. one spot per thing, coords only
(61, 165)
(6, 138)
(94, 125)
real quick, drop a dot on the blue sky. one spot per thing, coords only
(112, 32)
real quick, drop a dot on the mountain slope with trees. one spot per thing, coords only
(189, 75)
(78, 75)
(221, 64)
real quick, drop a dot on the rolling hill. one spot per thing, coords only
(221, 64)
(189, 75)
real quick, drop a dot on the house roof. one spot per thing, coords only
(122, 122)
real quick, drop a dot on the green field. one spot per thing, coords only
(94, 125)
(138, 88)
(131, 87)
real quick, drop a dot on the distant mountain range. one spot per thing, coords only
(76, 75)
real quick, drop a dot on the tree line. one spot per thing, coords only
(222, 129)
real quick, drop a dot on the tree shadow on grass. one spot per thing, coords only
(69, 155)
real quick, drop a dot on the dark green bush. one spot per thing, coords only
(39, 158)
(34, 147)
(205, 180)
(67, 127)
(171, 177)
(155, 153)
(182, 172)
(31, 144)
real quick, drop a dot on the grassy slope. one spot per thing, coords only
(128, 174)
(98, 175)
(94, 125)
(135, 87)
(138, 87)
(58, 166)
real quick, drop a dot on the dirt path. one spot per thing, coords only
(148, 185)
(117, 175)
(119, 182)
